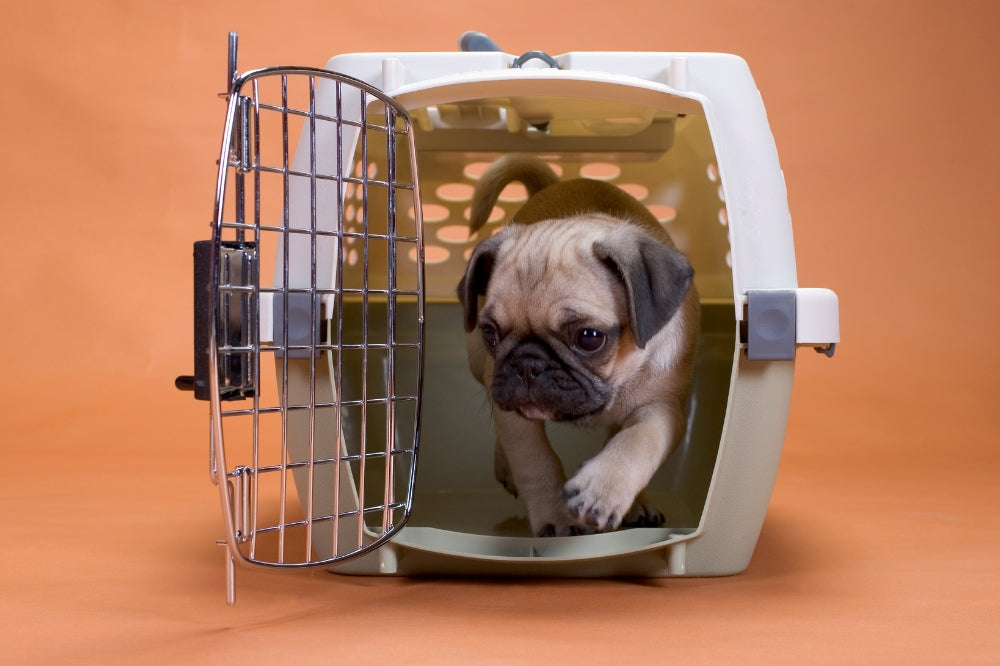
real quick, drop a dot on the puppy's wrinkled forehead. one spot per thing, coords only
(550, 274)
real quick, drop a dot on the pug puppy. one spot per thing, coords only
(583, 310)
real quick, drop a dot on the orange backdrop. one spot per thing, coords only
(883, 538)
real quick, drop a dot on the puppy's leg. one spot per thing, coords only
(603, 491)
(501, 470)
(536, 472)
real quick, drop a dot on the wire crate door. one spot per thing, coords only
(316, 274)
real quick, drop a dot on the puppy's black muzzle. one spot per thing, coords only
(532, 378)
(530, 360)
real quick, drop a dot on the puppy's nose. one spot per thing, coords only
(530, 359)
(531, 364)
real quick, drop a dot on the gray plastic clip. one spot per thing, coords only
(771, 325)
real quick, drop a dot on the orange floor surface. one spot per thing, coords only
(882, 541)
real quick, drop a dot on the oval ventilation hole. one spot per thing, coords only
(638, 191)
(372, 169)
(475, 170)
(729, 259)
(496, 214)
(663, 213)
(454, 192)
(600, 170)
(514, 192)
(456, 234)
(352, 257)
(723, 217)
(712, 172)
(430, 212)
(433, 254)
(721, 193)
(349, 212)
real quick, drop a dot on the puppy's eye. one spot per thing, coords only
(490, 335)
(590, 340)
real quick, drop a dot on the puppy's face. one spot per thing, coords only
(551, 311)
(553, 342)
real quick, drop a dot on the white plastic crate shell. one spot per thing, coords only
(687, 135)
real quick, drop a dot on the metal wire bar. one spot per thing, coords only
(293, 408)
(249, 289)
(374, 455)
(286, 255)
(362, 467)
(339, 306)
(390, 431)
(313, 316)
(418, 227)
(327, 177)
(320, 233)
(320, 116)
(216, 442)
(255, 482)
(328, 518)
(318, 347)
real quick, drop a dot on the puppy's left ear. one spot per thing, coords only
(656, 277)
(476, 278)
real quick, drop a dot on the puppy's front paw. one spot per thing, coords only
(597, 500)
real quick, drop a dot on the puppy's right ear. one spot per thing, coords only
(477, 277)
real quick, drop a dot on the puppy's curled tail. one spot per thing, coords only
(532, 172)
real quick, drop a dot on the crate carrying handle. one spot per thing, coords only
(477, 41)
(536, 55)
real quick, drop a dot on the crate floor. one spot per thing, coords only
(490, 512)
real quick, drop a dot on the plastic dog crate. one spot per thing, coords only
(329, 339)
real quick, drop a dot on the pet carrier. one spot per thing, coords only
(329, 340)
